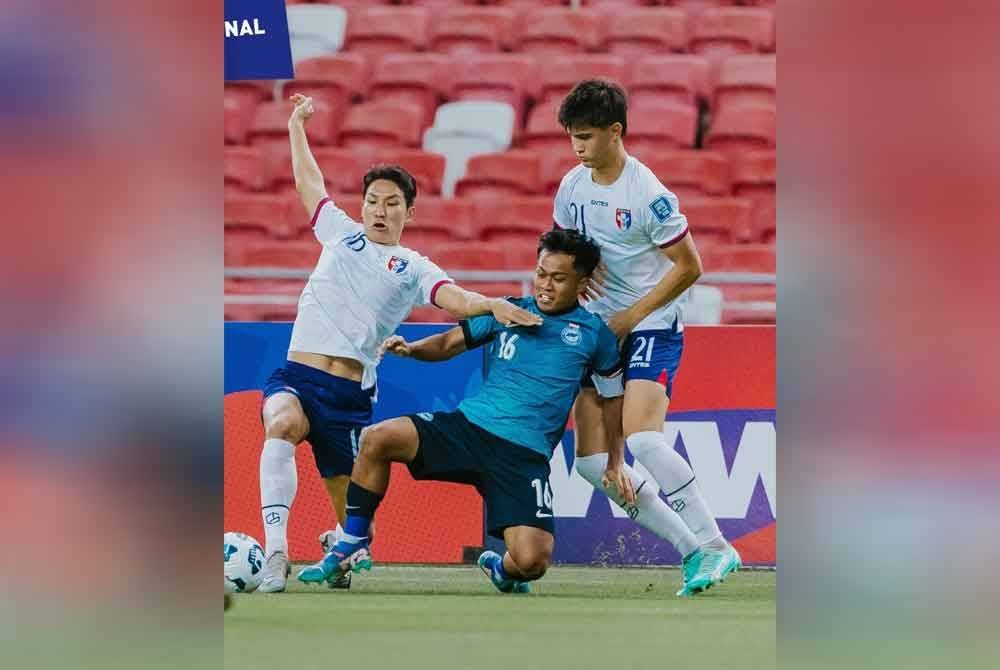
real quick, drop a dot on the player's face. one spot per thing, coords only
(557, 285)
(595, 147)
(384, 212)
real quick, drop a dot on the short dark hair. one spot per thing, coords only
(585, 252)
(397, 175)
(596, 103)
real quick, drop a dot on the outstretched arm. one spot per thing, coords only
(438, 347)
(308, 178)
(464, 304)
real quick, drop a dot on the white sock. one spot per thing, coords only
(676, 480)
(278, 483)
(649, 510)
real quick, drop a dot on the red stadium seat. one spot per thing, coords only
(285, 254)
(377, 31)
(735, 130)
(483, 256)
(249, 93)
(716, 221)
(747, 305)
(429, 314)
(257, 215)
(727, 31)
(243, 169)
(463, 30)
(636, 32)
(425, 166)
(510, 173)
(543, 132)
(562, 73)
(555, 165)
(657, 126)
(754, 178)
(690, 173)
(342, 169)
(260, 312)
(749, 79)
(237, 115)
(336, 79)
(417, 78)
(740, 258)
(262, 286)
(451, 218)
(680, 77)
(510, 78)
(520, 221)
(374, 125)
(558, 30)
(270, 125)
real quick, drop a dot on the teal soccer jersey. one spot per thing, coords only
(532, 374)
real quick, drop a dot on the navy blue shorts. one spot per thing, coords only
(513, 480)
(651, 354)
(337, 410)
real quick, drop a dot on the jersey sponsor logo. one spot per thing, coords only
(599, 203)
(398, 265)
(623, 219)
(661, 208)
(356, 242)
(571, 334)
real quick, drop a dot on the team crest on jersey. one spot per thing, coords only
(571, 334)
(623, 219)
(398, 265)
(661, 208)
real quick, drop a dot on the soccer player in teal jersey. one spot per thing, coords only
(501, 438)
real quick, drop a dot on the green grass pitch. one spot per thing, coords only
(438, 618)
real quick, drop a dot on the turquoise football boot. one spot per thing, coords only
(345, 557)
(692, 562)
(490, 563)
(713, 569)
(731, 562)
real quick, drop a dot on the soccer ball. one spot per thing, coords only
(243, 562)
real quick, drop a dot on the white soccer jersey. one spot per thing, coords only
(359, 292)
(631, 220)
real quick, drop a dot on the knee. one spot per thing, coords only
(285, 426)
(374, 442)
(533, 562)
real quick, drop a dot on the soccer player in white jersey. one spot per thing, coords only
(651, 259)
(362, 288)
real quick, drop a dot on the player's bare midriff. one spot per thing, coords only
(334, 365)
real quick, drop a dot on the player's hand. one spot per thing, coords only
(509, 314)
(621, 324)
(615, 477)
(304, 108)
(396, 345)
(595, 284)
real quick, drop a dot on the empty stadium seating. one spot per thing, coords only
(335, 79)
(543, 131)
(381, 30)
(749, 79)
(497, 175)
(464, 129)
(520, 221)
(557, 30)
(754, 177)
(243, 169)
(425, 166)
(561, 73)
(636, 32)
(682, 77)
(715, 221)
(726, 31)
(449, 219)
(418, 78)
(554, 166)
(509, 78)
(661, 125)
(315, 30)
(461, 30)
(270, 124)
(689, 173)
(735, 130)
(374, 125)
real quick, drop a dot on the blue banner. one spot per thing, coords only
(256, 40)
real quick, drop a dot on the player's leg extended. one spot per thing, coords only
(649, 510)
(381, 445)
(644, 411)
(285, 425)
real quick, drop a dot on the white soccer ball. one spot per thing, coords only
(243, 561)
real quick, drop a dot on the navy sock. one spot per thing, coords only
(361, 506)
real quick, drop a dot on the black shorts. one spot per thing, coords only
(513, 480)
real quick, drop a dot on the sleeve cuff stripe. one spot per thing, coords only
(435, 290)
(674, 240)
(319, 206)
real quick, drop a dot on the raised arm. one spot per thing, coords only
(463, 304)
(438, 347)
(308, 178)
